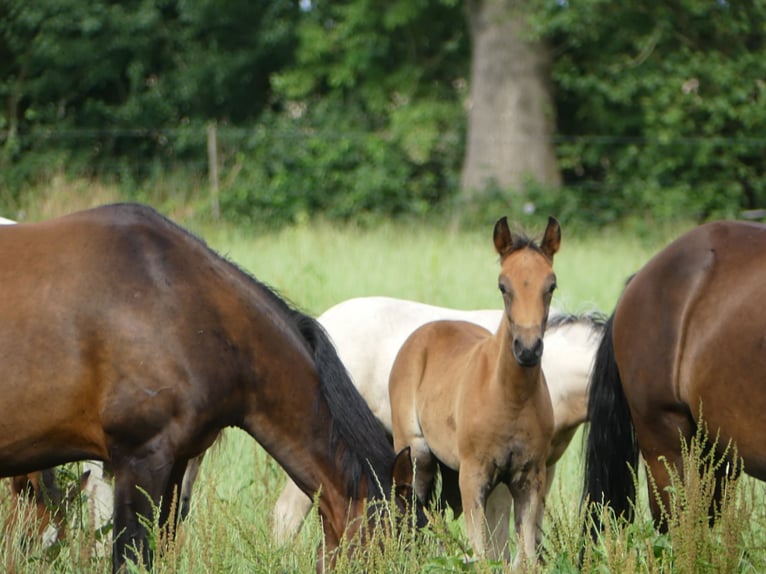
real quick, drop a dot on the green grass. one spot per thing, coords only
(319, 265)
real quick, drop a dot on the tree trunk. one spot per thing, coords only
(511, 110)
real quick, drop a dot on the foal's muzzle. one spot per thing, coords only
(528, 356)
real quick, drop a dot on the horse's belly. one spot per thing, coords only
(442, 441)
(31, 445)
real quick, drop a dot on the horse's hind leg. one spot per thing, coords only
(498, 513)
(171, 498)
(720, 470)
(528, 504)
(660, 442)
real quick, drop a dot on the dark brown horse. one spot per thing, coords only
(126, 339)
(688, 336)
(38, 509)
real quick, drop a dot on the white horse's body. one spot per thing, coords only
(368, 333)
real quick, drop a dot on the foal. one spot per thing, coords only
(478, 403)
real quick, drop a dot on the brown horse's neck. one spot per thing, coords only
(304, 453)
(518, 383)
(324, 435)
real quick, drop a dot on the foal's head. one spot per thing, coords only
(44, 503)
(527, 282)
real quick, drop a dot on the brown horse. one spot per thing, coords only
(478, 403)
(687, 337)
(126, 339)
(38, 511)
(42, 504)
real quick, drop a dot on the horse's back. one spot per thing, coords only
(435, 360)
(88, 248)
(438, 346)
(689, 331)
(94, 314)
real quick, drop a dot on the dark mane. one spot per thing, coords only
(358, 437)
(594, 319)
(521, 240)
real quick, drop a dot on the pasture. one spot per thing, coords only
(317, 265)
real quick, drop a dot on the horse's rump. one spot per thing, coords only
(686, 346)
(699, 298)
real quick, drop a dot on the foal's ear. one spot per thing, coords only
(502, 236)
(403, 474)
(552, 238)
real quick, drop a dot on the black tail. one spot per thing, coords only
(611, 454)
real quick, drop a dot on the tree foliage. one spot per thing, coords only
(359, 105)
(372, 112)
(662, 106)
(117, 79)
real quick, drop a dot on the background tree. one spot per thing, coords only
(371, 121)
(661, 107)
(355, 108)
(511, 109)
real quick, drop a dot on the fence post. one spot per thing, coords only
(212, 161)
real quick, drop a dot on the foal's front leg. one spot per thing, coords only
(474, 486)
(529, 502)
(497, 509)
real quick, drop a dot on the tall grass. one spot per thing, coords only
(317, 265)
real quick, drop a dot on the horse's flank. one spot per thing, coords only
(685, 340)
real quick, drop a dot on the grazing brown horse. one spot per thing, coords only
(43, 504)
(688, 336)
(478, 403)
(39, 510)
(126, 339)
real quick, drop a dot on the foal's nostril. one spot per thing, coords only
(538, 348)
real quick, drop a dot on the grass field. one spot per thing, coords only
(318, 265)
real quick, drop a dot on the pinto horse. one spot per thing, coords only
(686, 337)
(126, 339)
(368, 333)
(479, 404)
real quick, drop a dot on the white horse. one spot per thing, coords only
(368, 333)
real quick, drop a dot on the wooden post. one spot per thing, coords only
(212, 163)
